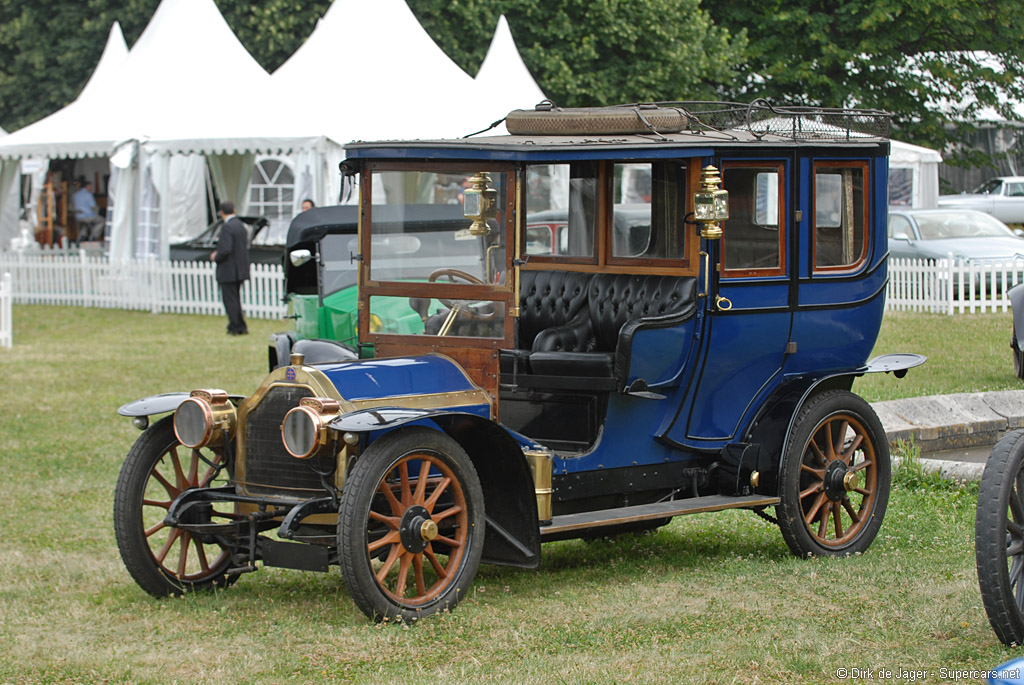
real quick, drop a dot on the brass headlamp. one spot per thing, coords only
(207, 417)
(480, 203)
(304, 430)
(710, 204)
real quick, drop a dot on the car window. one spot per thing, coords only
(989, 187)
(945, 225)
(753, 241)
(562, 194)
(840, 214)
(646, 217)
(900, 225)
(1015, 189)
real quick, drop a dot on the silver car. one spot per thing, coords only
(1002, 197)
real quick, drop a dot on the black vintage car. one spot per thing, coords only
(200, 247)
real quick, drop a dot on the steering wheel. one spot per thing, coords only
(454, 275)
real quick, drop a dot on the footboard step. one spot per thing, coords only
(647, 512)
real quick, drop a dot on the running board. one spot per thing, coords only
(647, 512)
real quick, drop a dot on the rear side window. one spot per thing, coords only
(754, 242)
(840, 215)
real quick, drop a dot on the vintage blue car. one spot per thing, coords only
(502, 389)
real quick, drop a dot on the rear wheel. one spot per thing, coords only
(834, 478)
(999, 538)
(164, 560)
(411, 525)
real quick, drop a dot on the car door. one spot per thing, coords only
(747, 316)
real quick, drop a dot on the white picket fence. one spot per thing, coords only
(6, 315)
(77, 279)
(947, 286)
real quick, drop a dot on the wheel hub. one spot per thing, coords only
(417, 529)
(839, 480)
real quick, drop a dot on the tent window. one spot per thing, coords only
(901, 187)
(147, 239)
(272, 193)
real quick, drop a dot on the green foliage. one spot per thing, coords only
(584, 52)
(899, 55)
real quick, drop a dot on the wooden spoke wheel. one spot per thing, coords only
(999, 538)
(834, 478)
(411, 525)
(165, 560)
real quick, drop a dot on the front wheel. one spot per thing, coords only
(834, 478)
(999, 538)
(411, 525)
(163, 560)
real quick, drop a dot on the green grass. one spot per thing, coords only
(714, 598)
(966, 353)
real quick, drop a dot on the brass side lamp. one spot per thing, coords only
(480, 203)
(710, 204)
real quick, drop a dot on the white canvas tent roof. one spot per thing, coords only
(406, 87)
(503, 81)
(187, 85)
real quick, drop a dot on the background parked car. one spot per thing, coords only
(1002, 197)
(964, 233)
(200, 247)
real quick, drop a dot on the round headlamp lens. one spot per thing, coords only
(301, 432)
(193, 422)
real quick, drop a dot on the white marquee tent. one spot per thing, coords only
(188, 91)
(913, 175)
(407, 87)
(503, 82)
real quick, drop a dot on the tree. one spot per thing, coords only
(596, 52)
(914, 58)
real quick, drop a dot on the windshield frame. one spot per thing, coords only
(501, 293)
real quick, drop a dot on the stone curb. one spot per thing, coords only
(950, 470)
(944, 422)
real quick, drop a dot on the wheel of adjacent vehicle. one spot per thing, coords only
(164, 560)
(999, 538)
(411, 525)
(1018, 358)
(835, 476)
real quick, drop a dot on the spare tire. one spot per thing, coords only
(553, 121)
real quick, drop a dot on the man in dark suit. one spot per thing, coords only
(232, 257)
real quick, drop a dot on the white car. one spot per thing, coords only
(1002, 197)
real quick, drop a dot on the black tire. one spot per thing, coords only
(999, 538)
(163, 560)
(393, 568)
(1018, 358)
(835, 477)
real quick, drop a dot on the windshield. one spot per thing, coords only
(989, 187)
(945, 225)
(418, 226)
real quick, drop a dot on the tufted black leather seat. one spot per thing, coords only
(546, 299)
(596, 341)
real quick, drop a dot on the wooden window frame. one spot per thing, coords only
(861, 260)
(779, 167)
(603, 261)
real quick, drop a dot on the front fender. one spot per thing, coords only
(160, 404)
(154, 404)
(510, 503)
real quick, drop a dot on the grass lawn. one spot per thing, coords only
(715, 598)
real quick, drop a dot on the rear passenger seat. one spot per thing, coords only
(576, 330)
